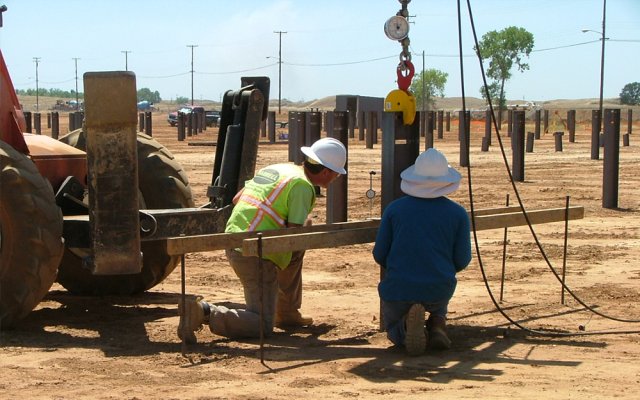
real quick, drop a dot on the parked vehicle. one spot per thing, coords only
(69, 105)
(212, 117)
(172, 118)
(145, 105)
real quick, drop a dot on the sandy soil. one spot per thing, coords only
(127, 347)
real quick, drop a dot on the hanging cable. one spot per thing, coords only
(506, 163)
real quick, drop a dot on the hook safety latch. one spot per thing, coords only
(404, 81)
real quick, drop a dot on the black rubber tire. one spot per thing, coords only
(30, 236)
(162, 184)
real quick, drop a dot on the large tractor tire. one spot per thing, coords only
(30, 236)
(162, 184)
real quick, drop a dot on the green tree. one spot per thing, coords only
(502, 49)
(494, 92)
(434, 82)
(182, 100)
(148, 95)
(630, 94)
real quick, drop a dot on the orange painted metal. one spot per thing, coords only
(56, 160)
(12, 122)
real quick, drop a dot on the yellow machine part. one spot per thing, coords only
(399, 100)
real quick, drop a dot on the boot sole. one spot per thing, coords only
(187, 328)
(415, 340)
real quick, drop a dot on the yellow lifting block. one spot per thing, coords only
(399, 100)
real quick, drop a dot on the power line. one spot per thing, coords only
(164, 76)
(565, 46)
(53, 83)
(342, 63)
(237, 71)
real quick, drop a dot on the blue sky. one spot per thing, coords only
(331, 47)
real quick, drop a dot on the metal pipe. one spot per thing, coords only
(261, 284)
(564, 252)
(504, 256)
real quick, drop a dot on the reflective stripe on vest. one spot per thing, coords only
(264, 207)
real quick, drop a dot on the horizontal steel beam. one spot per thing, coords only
(194, 244)
(319, 240)
(348, 233)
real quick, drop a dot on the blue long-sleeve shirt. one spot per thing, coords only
(422, 244)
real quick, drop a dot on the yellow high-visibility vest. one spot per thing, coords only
(264, 203)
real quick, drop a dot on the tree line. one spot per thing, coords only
(144, 94)
(65, 94)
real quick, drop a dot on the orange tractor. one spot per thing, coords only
(93, 210)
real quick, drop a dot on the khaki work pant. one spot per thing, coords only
(282, 293)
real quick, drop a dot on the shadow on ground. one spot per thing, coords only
(117, 327)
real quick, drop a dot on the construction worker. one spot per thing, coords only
(278, 196)
(422, 242)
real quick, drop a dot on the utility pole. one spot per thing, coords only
(602, 38)
(192, 46)
(126, 59)
(75, 59)
(279, 69)
(37, 60)
(604, 14)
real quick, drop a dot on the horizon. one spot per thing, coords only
(323, 51)
(584, 102)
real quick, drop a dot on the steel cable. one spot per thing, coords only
(515, 189)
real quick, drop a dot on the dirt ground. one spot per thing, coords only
(127, 347)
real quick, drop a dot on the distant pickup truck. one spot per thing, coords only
(212, 117)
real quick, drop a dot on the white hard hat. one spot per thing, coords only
(328, 152)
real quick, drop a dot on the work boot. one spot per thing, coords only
(438, 339)
(415, 340)
(191, 319)
(292, 319)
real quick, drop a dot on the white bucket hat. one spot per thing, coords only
(328, 152)
(431, 176)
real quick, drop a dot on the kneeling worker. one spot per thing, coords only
(422, 242)
(278, 196)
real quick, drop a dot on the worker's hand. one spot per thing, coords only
(236, 198)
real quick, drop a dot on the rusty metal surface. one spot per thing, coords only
(163, 224)
(337, 192)
(113, 175)
(611, 162)
(348, 233)
(357, 232)
(400, 148)
(185, 221)
(517, 140)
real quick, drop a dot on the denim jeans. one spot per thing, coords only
(394, 313)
